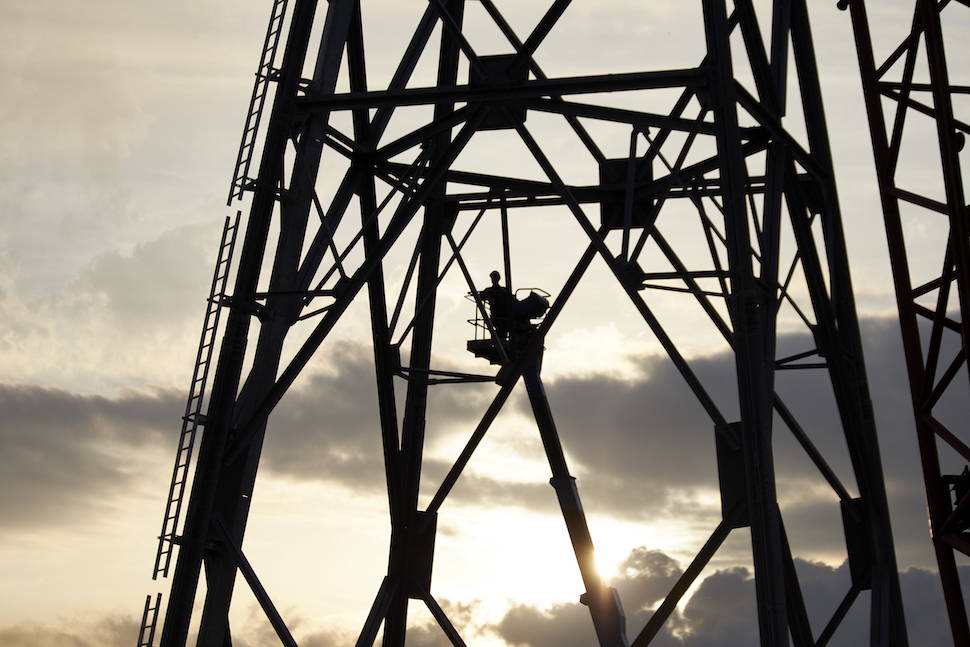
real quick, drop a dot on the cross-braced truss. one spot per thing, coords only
(912, 101)
(712, 198)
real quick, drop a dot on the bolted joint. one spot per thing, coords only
(631, 274)
(420, 548)
(340, 286)
(249, 306)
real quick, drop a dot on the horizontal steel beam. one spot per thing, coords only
(690, 77)
(619, 115)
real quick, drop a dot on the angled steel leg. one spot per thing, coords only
(368, 634)
(220, 412)
(604, 604)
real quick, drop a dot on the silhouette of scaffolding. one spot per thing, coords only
(910, 101)
(769, 248)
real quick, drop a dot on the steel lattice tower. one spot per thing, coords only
(770, 244)
(909, 93)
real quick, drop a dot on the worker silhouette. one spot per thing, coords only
(501, 306)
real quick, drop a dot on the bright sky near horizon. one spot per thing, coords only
(120, 123)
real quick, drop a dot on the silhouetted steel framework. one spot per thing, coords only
(909, 95)
(769, 234)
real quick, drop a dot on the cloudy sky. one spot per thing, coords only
(120, 123)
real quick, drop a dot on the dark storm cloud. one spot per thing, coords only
(62, 451)
(722, 611)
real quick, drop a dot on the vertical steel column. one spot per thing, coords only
(840, 332)
(946, 132)
(926, 386)
(438, 218)
(752, 324)
(386, 358)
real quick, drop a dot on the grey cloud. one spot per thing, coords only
(110, 631)
(722, 611)
(147, 288)
(477, 489)
(130, 139)
(63, 451)
(461, 615)
(566, 625)
(653, 431)
(635, 441)
(256, 631)
(253, 631)
(125, 318)
(646, 577)
(329, 430)
(642, 446)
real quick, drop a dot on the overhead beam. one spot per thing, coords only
(690, 77)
